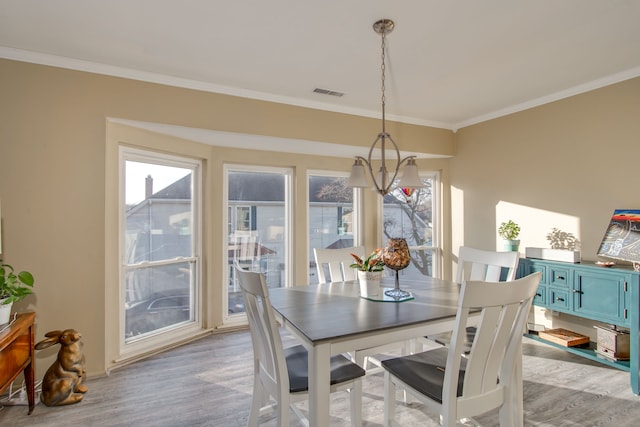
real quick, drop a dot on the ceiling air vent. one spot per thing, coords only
(328, 92)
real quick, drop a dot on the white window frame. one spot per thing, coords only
(357, 206)
(288, 173)
(154, 342)
(436, 246)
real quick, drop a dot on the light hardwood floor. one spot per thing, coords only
(208, 383)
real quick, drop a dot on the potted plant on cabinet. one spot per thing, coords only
(13, 288)
(509, 231)
(370, 272)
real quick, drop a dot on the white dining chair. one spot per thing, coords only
(337, 261)
(490, 266)
(281, 375)
(479, 264)
(491, 377)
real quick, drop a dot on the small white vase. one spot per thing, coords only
(370, 283)
(5, 312)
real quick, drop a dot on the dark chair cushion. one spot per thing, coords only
(424, 372)
(445, 339)
(342, 369)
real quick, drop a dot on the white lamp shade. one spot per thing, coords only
(410, 177)
(357, 178)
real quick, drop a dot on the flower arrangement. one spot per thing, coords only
(373, 262)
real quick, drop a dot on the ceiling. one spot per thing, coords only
(449, 63)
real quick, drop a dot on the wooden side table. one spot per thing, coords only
(17, 355)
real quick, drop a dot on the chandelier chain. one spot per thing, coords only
(383, 75)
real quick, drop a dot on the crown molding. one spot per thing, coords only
(146, 76)
(128, 73)
(573, 91)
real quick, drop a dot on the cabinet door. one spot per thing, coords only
(600, 296)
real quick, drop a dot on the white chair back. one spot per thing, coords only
(269, 361)
(490, 377)
(338, 261)
(478, 264)
(282, 374)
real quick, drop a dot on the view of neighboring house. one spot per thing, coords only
(158, 228)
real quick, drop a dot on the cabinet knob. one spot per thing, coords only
(576, 291)
(559, 299)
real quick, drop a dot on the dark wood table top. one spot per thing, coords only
(330, 311)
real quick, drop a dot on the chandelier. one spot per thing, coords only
(384, 179)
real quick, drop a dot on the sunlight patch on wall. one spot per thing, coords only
(535, 224)
(457, 218)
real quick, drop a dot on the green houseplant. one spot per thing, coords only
(509, 231)
(373, 262)
(13, 288)
(370, 272)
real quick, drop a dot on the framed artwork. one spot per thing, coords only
(622, 238)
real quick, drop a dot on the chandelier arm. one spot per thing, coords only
(382, 187)
(387, 188)
(373, 146)
(406, 159)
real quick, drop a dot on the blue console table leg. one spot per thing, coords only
(634, 341)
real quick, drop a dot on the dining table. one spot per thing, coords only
(333, 318)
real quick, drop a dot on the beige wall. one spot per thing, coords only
(53, 163)
(567, 165)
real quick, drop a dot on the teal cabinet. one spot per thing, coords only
(608, 295)
(602, 295)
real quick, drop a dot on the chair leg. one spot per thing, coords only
(355, 397)
(256, 402)
(389, 400)
(303, 419)
(283, 411)
(511, 412)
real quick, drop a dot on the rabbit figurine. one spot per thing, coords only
(62, 383)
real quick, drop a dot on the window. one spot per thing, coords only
(413, 214)
(244, 219)
(160, 245)
(258, 202)
(331, 215)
